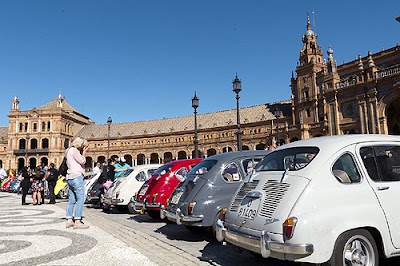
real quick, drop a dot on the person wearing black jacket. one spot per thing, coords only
(26, 183)
(52, 177)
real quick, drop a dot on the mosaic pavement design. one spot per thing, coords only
(36, 235)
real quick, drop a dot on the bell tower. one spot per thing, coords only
(304, 86)
(15, 103)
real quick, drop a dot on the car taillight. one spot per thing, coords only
(288, 227)
(155, 197)
(222, 216)
(191, 207)
(117, 194)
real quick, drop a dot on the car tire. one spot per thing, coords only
(132, 209)
(154, 214)
(214, 226)
(196, 229)
(355, 246)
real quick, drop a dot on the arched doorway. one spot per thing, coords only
(182, 155)
(393, 118)
(21, 163)
(89, 163)
(211, 152)
(167, 157)
(201, 155)
(34, 145)
(45, 143)
(101, 159)
(140, 159)
(154, 158)
(32, 163)
(226, 149)
(261, 146)
(245, 148)
(295, 139)
(128, 159)
(21, 144)
(44, 161)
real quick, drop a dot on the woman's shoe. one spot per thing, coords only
(81, 226)
(69, 225)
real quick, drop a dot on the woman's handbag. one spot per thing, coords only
(64, 167)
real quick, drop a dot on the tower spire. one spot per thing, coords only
(15, 102)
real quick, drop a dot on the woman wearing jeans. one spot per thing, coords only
(76, 159)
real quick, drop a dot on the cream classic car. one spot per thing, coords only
(327, 199)
(125, 186)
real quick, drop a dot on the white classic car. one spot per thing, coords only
(125, 186)
(327, 199)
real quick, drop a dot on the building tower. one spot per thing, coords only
(15, 103)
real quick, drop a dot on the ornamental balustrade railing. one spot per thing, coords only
(345, 83)
(388, 72)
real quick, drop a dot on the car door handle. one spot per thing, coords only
(383, 188)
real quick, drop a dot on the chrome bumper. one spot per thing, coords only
(178, 217)
(112, 201)
(262, 245)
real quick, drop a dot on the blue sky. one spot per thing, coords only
(142, 60)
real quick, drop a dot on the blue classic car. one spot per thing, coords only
(202, 198)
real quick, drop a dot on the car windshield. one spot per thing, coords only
(293, 159)
(163, 169)
(127, 172)
(203, 167)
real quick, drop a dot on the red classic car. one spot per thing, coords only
(154, 194)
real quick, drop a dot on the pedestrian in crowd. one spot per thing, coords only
(52, 177)
(44, 170)
(26, 182)
(108, 174)
(37, 186)
(96, 169)
(3, 173)
(76, 159)
(120, 167)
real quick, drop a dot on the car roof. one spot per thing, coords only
(185, 162)
(146, 166)
(238, 154)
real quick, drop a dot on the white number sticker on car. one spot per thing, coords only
(248, 208)
(143, 190)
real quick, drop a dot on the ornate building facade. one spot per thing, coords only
(361, 96)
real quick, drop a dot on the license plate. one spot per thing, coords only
(248, 208)
(143, 190)
(176, 197)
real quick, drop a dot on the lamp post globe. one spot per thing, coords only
(237, 87)
(195, 105)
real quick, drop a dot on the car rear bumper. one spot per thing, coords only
(178, 217)
(262, 244)
(113, 201)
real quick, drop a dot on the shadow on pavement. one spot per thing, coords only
(144, 218)
(178, 232)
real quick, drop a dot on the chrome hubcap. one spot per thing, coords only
(358, 251)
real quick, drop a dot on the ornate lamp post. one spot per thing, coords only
(195, 105)
(237, 87)
(277, 114)
(109, 121)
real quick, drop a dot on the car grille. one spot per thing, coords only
(274, 193)
(184, 191)
(244, 189)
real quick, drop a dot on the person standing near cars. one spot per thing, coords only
(37, 186)
(3, 173)
(26, 182)
(96, 169)
(52, 177)
(76, 159)
(120, 167)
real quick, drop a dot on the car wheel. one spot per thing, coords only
(196, 229)
(154, 214)
(131, 209)
(214, 226)
(356, 247)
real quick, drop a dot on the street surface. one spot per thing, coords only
(36, 235)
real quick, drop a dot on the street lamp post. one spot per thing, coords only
(277, 114)
(109, 121)
(26, 149)
(195, 105)
(237, 87)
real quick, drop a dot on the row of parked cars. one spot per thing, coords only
(327, 200)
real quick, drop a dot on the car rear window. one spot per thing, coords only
(127, 172)
(292, 159)
(203, 167)
(163, 169)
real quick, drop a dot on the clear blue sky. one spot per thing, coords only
(141, 60)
